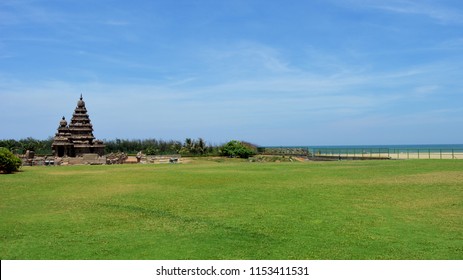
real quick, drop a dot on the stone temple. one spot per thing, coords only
(76, 139)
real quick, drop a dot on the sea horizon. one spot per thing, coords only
(378, 146)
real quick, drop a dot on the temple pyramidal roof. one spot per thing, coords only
(76, 139)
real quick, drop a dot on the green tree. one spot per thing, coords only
(200, 146)
(9, 163)
(236, 148)
(194, 147)
(10, 144)
(151, 150)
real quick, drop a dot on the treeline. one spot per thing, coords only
(40, 147)
(190, 147)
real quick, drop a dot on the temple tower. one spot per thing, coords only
(61, 145)
(77, 138)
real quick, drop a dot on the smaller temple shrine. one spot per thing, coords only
(76, 139)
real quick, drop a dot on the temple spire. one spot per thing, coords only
(77, 138)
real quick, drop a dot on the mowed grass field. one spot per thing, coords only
(235, 210)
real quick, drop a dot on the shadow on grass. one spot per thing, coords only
(242, 233)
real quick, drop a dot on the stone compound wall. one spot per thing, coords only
(157, 159)
(95, 159)
(88, 159)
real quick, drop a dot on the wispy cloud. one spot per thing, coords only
(113, 22)
(451, 44)
(433, 11)
(245, 55)
(27, 12)
(436, 10)
(259, 103)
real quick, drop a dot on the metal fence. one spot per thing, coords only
(365, 153)
(284, 151)
(387, 153)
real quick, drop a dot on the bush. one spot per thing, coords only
(9, 163)
(236, 148)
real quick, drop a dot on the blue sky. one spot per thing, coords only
(320, 72)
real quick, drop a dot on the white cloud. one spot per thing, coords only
(451, 44)
(226, 110)
(245, 56)
(26, 12)
(112, 22)
(426, 90)
(436, 12)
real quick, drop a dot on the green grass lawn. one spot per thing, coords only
(235, 210)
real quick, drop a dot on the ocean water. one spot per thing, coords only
(431, 151)
(392, 148)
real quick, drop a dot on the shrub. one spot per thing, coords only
(9, 163)
(236, 148)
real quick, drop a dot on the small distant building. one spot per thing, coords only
(76, 139)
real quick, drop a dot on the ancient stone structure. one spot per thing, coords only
(76, 139)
